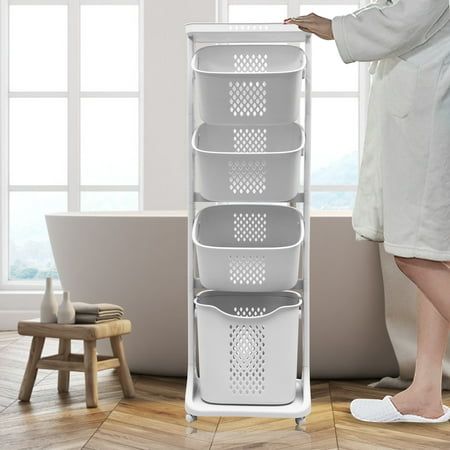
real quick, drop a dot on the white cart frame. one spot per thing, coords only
(205, 33)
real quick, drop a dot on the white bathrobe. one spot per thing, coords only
(403, 196)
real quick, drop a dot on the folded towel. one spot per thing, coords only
(106, 313)
(96, 312)
(92, 318)
(95, 308)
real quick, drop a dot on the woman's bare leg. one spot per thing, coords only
(424, 396)
(432, 278)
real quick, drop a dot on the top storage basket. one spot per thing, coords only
(249, 84)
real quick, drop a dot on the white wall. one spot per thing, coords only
(165, 99)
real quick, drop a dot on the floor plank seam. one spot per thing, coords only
(16, 400)
(101, 424)
(214, 435)
(332, 411)
(6, 407)
(4, 346)
(134, 377)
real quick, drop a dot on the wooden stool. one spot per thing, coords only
(65, 361)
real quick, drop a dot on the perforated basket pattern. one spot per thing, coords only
(247, 270)
(247, 359)
(247, 177)
(247, 163)
(243, 357)
(250, 226)
(249, 311)
(249, 140)
(249, 84)
(248, 248)
(247, 98)
(250, 62)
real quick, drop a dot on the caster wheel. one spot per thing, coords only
(299, 420)
(190, 418)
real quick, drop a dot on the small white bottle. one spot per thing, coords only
(66, 312)
(49, 305)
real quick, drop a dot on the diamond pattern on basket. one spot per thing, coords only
(247, 177)
(249, 140)
(247, 359)
(250, 227)
(249, 311)
(247, 98)
(254, 62)
(247, 269)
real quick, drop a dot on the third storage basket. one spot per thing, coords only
(249, 84)
(248, 347)
(247, 247)
(248, 163)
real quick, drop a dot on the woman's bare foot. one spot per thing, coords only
(418, 402)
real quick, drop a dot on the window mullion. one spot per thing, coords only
(4, 138)
(37, 94)
(110, 188)
(364, 88)
(141, 125)
(109, 94)
(333, 188)
(293, 8)
(73, 105)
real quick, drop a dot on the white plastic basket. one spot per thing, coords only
(247, 347)
(249, 84)
(248, 164)
(248, 248)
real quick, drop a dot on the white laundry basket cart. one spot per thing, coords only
(249, 84)
(248, 247)
(246, 163)
(243, 356)
(248, 220)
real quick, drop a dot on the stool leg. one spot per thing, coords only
(64, 375)
(29, 377)
(124, 372)
(90, 373)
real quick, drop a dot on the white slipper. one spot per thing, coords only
(370, 410)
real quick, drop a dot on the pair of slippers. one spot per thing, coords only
(370, 410)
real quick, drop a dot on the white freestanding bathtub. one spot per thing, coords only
(137, 260)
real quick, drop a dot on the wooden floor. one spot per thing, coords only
(155, 419)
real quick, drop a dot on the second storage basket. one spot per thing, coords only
(248, 347)
(249, 84)
(248, 247)
(248, 164)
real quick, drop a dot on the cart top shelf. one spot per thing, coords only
(245, 32)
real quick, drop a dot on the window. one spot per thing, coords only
(339, 98)
(71, 114)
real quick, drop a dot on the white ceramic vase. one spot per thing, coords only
(49, 305)
(66, 312)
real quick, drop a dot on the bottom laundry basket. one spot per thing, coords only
(248, 347)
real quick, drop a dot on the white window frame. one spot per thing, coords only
(293, 8)
(73, 96)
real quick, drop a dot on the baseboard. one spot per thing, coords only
(9, 319)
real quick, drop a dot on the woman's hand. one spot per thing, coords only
(312, 23)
